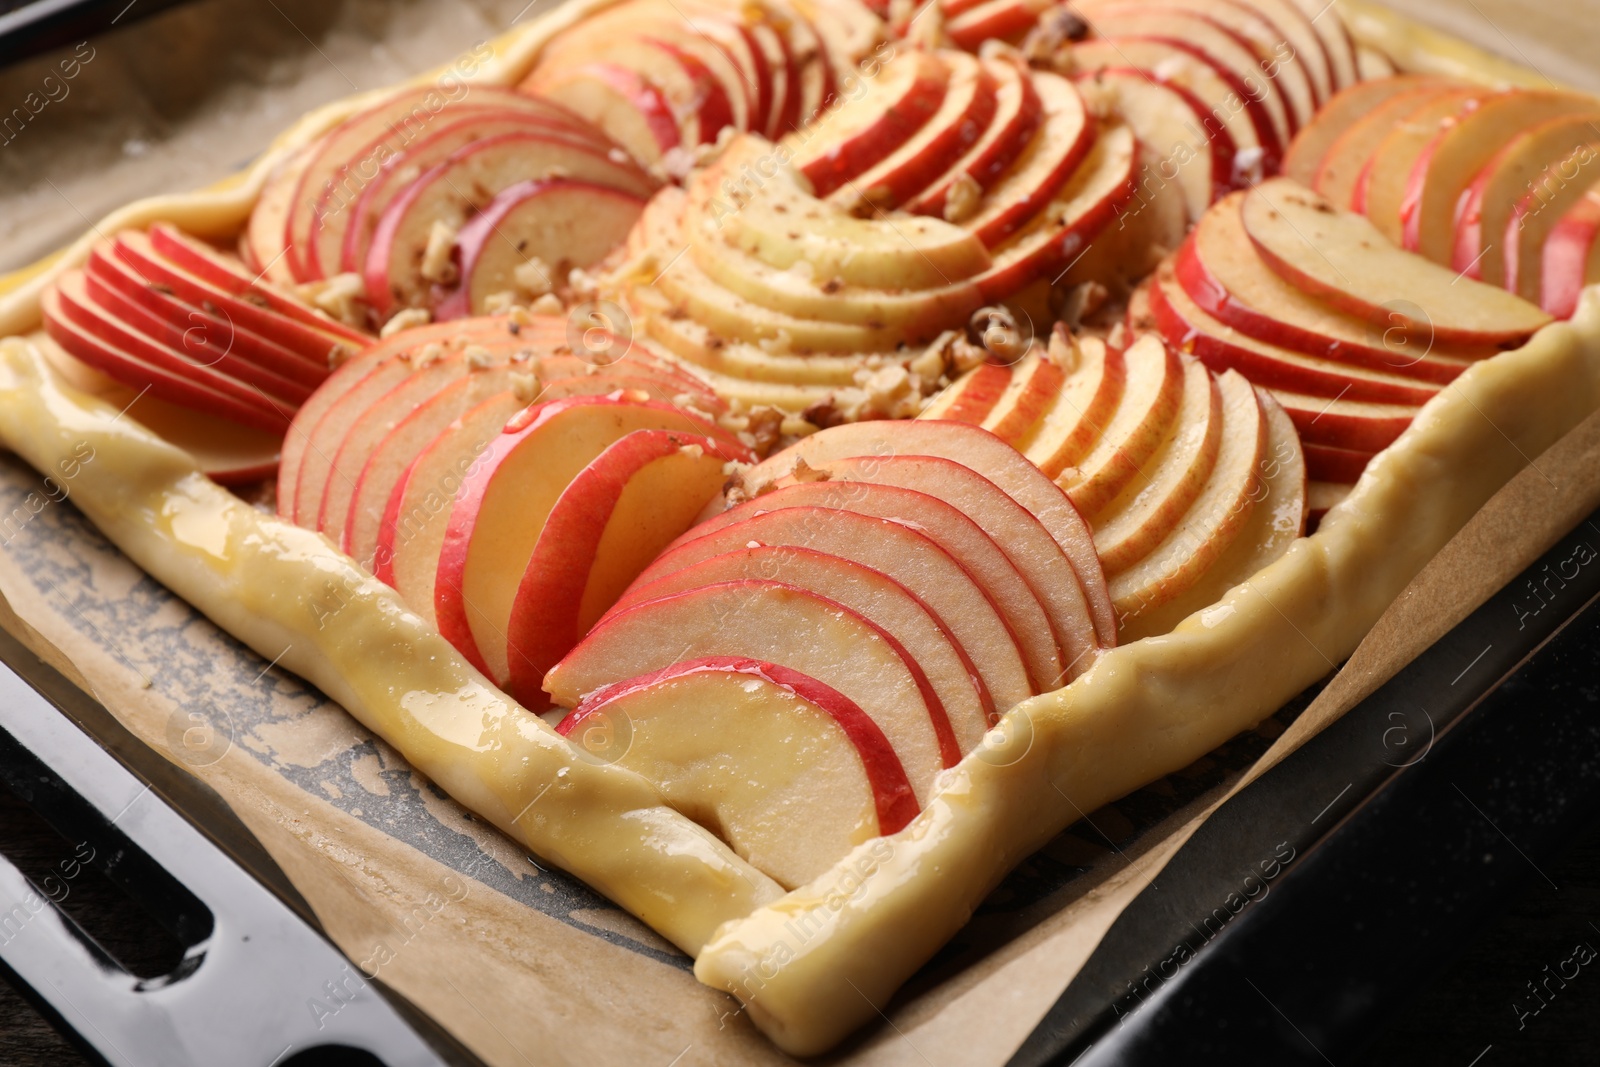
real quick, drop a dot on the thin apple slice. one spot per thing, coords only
(1325, 463)
(621, 102)
(1346, 159)
(505, 500)
(1304, 44)
(1487, 207)
(957, 534)
(1217, 517)
(804, 776)
(1152, 505)
(563, 224)
(1553, 193)
(1336, 43)
(1193, 331)
(1017, 113)
(636, 497)
(1321, 498)
(1065, 135)
(261, 245)
(1041, 562)
(1341, 258)
(1095, 379)
(1571, 257)
(1312, 145)
(1380, 193)
(973, 396)
(1035, 381)
(983, 452)
(855, 137)
(870, 593)
(1353, 424)
(1461, 150)
(1220, 271)
(1150, 403)
(991, 20)
(894, 549)
(774, 623)
(1276, 504)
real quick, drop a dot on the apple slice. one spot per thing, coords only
(261, 245)
(995, 20)
(1553, 193)
(636, 497)
(894, 549)
(1341, 258)
(962, 119)
(1034, 384)
(983, 452)
(1460, 151)
(621, 102)
(1325, 463)
(870, 593)
(1219, 270)
(1321, 498)
(1193, 147)
(1312, 145)
(1095, 379)
(1303, 42)
(1487, 207)
(1041, 562)
(1188, 327)
(1063, 139)
(775, 623)
(1276, 517)
(963, 539)
(505, 500)
(1346, 159)
(804, 776)
(1017, 114)
(1571, 257)
(1336, 43)
(563, 224)
(1380, 193)
(1150, 402)
(1152, 505)
(1351, 424)
(973, 396)
(1218, 515)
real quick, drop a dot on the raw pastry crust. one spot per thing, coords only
(816, 963)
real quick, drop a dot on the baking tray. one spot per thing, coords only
(28, 27)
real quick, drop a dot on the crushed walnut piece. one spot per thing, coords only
(1048, 44)
(438, 259)
(405, 319)
(534, 277)
(342, 298)
(525, 387)
(548, 304)
(961, 200)
(805, 472)
(500, 303)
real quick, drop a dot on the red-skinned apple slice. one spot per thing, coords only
(962, 119)
(1325, 463)
(871, 594)
(959, 536)
(620, 101)
(775, 623)
(1305, 45)
(1017, 114)
(1220, 271)
(261, 244)
(636, 497)
(564, 224)
(1356, 425)
(1218, 515)
(1065, 135)
(1461, 150)
(1341, 258)
(983, 452)
(1095, 379)
(1571, 257)
(1346, 158)
(1276, 504)
(1553, 193)
(1386, 179)
(807, 775)
(1336, 42)
(972, 396)
(1024, 540)
(1191, 330)
(1311, 146)
(856, 136)
(895, 549)
(1487, 207)
(1321, 498)
(1034, 384)
(506, 498)
(1003, 20)
(1150, 403)
(1150, 508)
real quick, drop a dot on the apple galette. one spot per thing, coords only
(826, 447)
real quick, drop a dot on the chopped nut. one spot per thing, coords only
(525, 387)
(962, 199)
(548, 304)
(805, 472)
(405, 320)
(499, 303)
(431, 352)
(1082, 302)
(478, 357)
(1063, 350)
(438, 259)
(342, 298)
(534, 277)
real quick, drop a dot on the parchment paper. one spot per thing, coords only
(523, 964)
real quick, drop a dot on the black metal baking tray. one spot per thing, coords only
(28, 27)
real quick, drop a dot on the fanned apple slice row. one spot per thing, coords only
(1341, 258)
(780, 624)
(1150, 402)
(1041, 562)
(1312, 145)
(1035, 380)
(1380, 192)
(1220, 271)
(1276, 504)
(1552, 195)
(957, 534)
(1571, 257)
(896, 550)
(983, 452)
(804, 774)
(1150, 508)
(1095, 379)
(1345, 161)
(1336, 43)
(615, 516)
(505, 501)
(872, 594)
(1352, 424)
(971, 397)
(851, 139)
(1191, 330)
(1216, 518)
(1305, 45)
(1017, 114)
